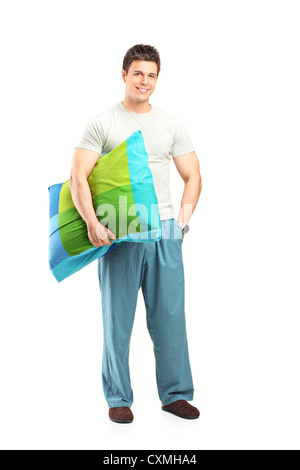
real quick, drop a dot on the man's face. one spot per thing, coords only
(140, 80)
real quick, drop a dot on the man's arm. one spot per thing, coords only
(189, 169)
(83, 162)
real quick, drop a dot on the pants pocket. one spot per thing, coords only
(177, 231)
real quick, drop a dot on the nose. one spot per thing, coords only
(144, 80)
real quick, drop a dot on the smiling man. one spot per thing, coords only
(157, 267)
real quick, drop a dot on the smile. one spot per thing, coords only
(142, 90)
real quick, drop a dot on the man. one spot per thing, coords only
(156, 267)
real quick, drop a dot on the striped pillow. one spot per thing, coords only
(124, 199)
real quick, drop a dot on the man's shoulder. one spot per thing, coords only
(167, 116)
(164, 113)
(102, 120)
(105, 117)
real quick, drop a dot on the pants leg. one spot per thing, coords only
(163, 291)
(120, 273)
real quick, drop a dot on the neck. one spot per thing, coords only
(137, 107)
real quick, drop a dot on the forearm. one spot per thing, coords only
(190, 197)
(82, 198)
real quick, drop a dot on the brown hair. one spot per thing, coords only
(141, 52)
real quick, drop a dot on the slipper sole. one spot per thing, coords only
(125, 421)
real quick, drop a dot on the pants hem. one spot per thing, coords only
(178, 397)
(118, 404)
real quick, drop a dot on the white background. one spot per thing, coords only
(230, 71)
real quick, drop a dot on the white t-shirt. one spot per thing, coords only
(164, 135)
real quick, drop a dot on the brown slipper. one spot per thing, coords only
(121, 414)
(182, 409)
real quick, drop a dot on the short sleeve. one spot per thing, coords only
(182, 142)
(92, 137)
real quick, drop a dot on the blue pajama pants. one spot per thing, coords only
(157, 268)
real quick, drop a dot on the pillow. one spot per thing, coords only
(124, 200)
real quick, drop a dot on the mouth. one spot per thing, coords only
(142, 90)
